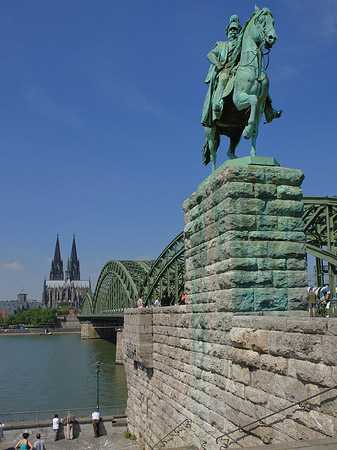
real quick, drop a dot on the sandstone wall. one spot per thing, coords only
(244, 241)
(223, 371)
(244, 254)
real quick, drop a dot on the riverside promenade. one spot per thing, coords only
(112, 441)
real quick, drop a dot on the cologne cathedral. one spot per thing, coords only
(64, 287)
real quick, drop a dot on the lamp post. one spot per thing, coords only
(98, 371)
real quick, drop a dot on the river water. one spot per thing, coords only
(57, 372)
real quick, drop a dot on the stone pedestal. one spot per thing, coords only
(244, 242)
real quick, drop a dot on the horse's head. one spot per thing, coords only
(264, 24)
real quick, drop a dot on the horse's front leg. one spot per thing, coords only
(255, 131)
(243, 101)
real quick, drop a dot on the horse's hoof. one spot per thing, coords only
(231, 155)
(252, 152)
(247, 132)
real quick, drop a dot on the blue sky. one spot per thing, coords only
(100, 135)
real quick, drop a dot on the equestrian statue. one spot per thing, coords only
(238, 92)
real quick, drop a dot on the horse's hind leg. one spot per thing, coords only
(243, 101)
(234, 140)
(213, 144)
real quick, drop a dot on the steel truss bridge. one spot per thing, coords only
(121, 282)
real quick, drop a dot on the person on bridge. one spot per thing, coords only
(140, 302)
(312, 302)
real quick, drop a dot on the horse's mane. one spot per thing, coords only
(238, 46)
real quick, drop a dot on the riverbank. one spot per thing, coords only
(39, 331)
(64, 325)
(111, 436)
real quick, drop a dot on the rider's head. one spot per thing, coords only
(233, 28)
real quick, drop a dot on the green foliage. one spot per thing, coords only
(34, 317)
(63, 305)
(128, 435)
(63, 311)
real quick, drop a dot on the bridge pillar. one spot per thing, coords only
(88, 331)
(244, 242)
(119, 346)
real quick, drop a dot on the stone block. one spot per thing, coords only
(290, 223)
(238, 299)
(272, 264)
(289, 193)
(284, 208)
(293, 279)
(282, 175)
(296, 264)
(240, 189)
(297, 298)
(267, 223)
(276, 364)
(265, 191)
(329, 350)
(286, 250)
(270, 299)
(295, 345)
(237, 221)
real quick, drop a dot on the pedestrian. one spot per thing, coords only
(96, 418)
(157, 302)
(56, 426)
(2, 426)
(182, 301)
(24, 443)
(40, 443)
(140, 301)
(312, 302)
(70, 425)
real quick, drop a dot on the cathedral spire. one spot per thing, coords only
(56, 272)
(74, 263)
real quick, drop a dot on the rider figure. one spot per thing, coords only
(218, 76)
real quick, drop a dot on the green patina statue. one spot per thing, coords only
(238, 92)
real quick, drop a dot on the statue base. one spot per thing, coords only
(245, 247)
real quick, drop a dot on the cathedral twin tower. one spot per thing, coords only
(66, 287)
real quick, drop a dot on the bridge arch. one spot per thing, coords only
(118, 285)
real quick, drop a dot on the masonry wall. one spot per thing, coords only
(224, 371)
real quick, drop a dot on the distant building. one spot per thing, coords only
(22, 303)
(69, 288)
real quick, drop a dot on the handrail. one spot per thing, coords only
(300, 403)
(46, 414)
(172, 433)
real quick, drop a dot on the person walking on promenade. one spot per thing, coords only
(2, 426)
(24, 443)
(96, 418)
(312, 302)
(70, 425)
(40, 443)
(56, 426)
(157, 301)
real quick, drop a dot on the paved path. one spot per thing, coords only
(113, 441)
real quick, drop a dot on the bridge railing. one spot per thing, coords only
(35, 416)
